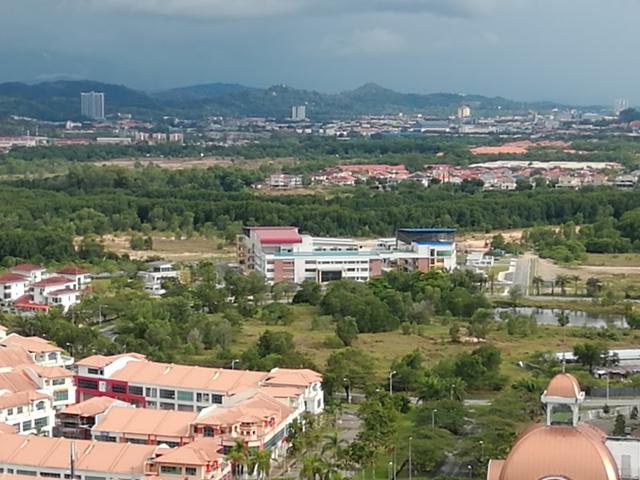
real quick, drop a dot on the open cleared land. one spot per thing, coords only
(171, 248)
(549, 270)
(482, 240)
(625, 260)
(169, 163)
(434, 342)
(184, 163)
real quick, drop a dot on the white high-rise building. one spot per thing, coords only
(92, 105)
(299, 113)
(620, 105)
(464, 111)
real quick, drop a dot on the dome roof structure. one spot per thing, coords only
(563, 385)
(558, 452)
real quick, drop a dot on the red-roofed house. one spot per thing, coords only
(32, 272)
(55, 291)
(12, 287)
(80, 276)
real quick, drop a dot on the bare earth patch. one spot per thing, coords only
(171, 248)
(548, 270)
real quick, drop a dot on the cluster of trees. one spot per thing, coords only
(395, 299)
(98, 200)
(571, 242)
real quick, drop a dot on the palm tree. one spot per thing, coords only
(238, 456)
(333, 445)
(537, 283)
(575, 279)
(260, 460)
(492, 275)
(312, 467)
(594, 286)
(562, 281)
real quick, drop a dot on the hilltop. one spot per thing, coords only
(59, 100)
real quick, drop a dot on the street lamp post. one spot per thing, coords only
(470, 470)
(433, 418)
(481, 450)
(451, 391)
(233, 363)
(391, 374)
(410, 467)
(347, 386)
(389, 471)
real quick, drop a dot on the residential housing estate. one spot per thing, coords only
(125, 417)
(27, 287)
(134, 379)
(282, 254)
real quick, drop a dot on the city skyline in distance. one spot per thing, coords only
(522, 49)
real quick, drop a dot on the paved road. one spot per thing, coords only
(598, 402)
(522, 275)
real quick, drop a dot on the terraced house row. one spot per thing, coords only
(123, 417)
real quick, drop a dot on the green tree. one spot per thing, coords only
(238, 455)
(310, 292)
(620, 425)
(590, 354)
(277, 314)
(562, 281)
(594, 287)
(347, 330)
(537, 282)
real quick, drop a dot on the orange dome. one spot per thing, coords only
(563, 385)
(571, 453)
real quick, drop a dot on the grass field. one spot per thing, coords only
(434, 342)
(613, 260)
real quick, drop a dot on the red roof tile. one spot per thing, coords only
(73, 270)
(45, 282)
(12, 278)
(27, 267)
(277, 235)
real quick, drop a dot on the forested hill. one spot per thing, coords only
(60, 100)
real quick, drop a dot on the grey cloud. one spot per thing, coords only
(228, 9)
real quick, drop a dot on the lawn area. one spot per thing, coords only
(613, 260)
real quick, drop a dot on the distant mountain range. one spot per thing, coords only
(60, 100)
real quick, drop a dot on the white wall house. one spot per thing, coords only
(56, 382)
(28, 412)
(12, 287)
(156, 274)
(41, 351)
(80, 276)
(33, 273)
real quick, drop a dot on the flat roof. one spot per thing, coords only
(343, 253)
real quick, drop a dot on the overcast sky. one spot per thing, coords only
(574, 51)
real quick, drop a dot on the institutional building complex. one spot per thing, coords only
(282, 254)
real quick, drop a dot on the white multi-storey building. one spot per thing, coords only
(133, 379)
(92, 105)
(281, 254)
(157, 273)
